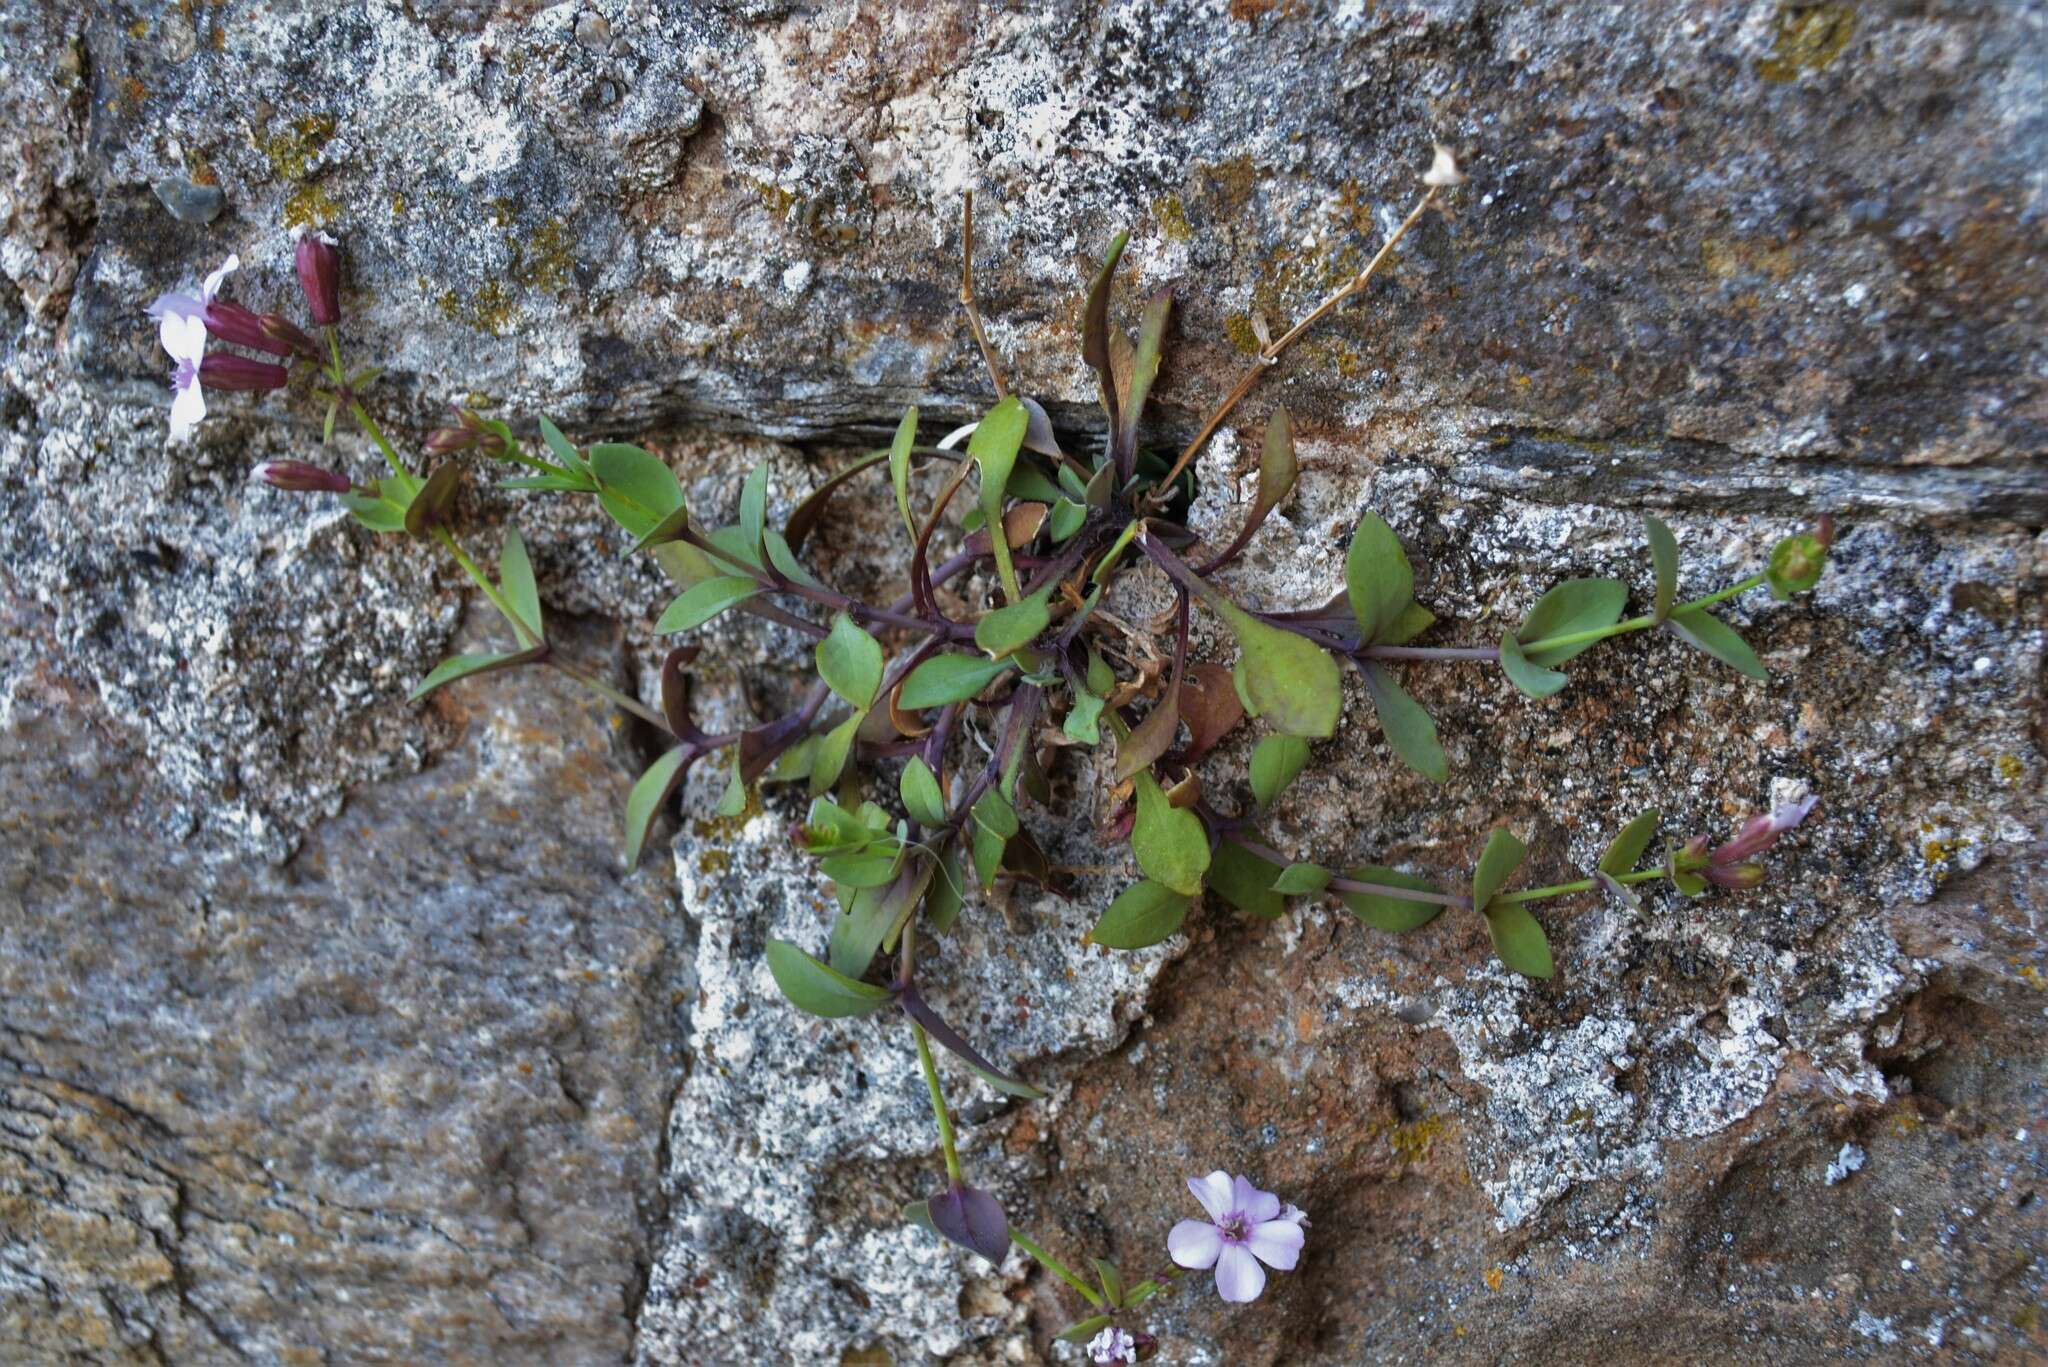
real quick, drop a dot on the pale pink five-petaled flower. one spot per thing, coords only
(1245, 1227)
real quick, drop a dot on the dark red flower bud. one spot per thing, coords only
(232, 323)
(1146, 1345)
(289, 335)
(225, 370)
(1735, 875)
(319, 268)
(444, 441)
(300, 478)
(1824, 530)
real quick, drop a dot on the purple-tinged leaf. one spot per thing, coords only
(971, 1218)
(950, 1040)
(650, 795)
(1619, 889)
(675, 693)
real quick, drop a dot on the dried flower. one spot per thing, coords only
(1443, 172)
(319, 268)
(300, 478)
(1246, 1227)
(1112, 1345)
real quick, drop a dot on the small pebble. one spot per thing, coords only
(190, 202)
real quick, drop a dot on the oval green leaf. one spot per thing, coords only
(817, 989)
(1534, 680)
(1502, 855)
(650, 792)
(1664, 561)
(466, 666)
(850, 662)
(1244, 880)
(1409, 730)
(1289, 680)
(1627, 848)
(1704, 631)
(948, 679)
(1143, 914)
(1383, 911)
(1008, 629)
(919, 787)
(1574, 606)
(515, 578)
(1377, 578)
(1299, 879)
(635, 487)
(1276, 762)
(1519, 940)
(700, 603)
(1170, 843)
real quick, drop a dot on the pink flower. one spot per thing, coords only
(1759, 833)
(299, 477)
(1246, 1227)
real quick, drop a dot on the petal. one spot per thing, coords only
(1238, 1274)
(1255, 1205)
(233, 263)
(1277, 1242)
(186, 410)
(183, 336)
(175, 305)
(1194, 1243)
(1213, 1192)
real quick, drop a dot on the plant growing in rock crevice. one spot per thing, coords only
(931, 726)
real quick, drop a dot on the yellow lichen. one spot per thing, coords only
(1494, 1277)
(1807, 38)
(293, 150)
(309, 205)
(543, 261)
(489, 310)
(1238, 328)
(2010, 768)
(1172, 217)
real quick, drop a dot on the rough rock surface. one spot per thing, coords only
(329, 1029)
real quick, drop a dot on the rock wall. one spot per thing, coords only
(330, 1029)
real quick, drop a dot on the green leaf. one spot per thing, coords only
(1095, 318)
(1146, 366)
(1704, 631)
(1027, 481)
(1277, 469)
(784, 559)
(1066, 518)
(899, 466)
(1287, 679)
(564, 450)
(515, 576)
(1105, 1273)
(1502, 855)
(820, 990)
(1377, 578)
(994, 448)
(866, 868)
(1084, 718)
(733, 800)
(1170, 843)
(829, 826)
(1518, 940)
(850, 662)
(754, 509)
(828, 761)
(862, 927)
(1796, 565)
(919, 787)
(943, 898)
(1691, 884)
(947, 679)
(635, 487)
(1276, 762)
(994, 811)
(670, 528)
(558, 484)
(1628, 847)
(1571, 607)
(1083, 1330)
(1533, 680)
(1244, 880)
(1300, 878)
(1383, 912)
(1664, 560)
(1142, 1292)
(650, 793)
(1010, 628)
(466, 666)
(1143, 914)
(988, 855)
(919, 1213)
(1413, 621)
(701, 602)
(385, 511)
(1409, 730)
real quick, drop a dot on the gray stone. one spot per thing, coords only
(189, 202)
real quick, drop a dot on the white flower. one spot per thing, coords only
(1112, 1345)
(184, 337)
(1443, 172)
